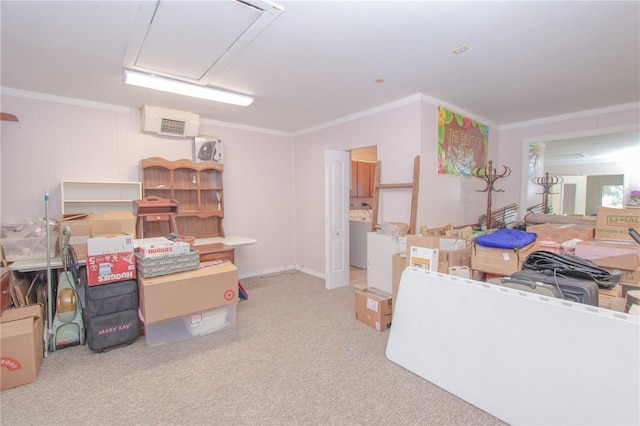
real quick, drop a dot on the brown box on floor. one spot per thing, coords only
(373, 307)
(21, 345)
(500, 261)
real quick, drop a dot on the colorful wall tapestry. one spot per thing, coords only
(463, 144)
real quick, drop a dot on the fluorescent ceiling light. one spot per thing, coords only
(151, 81)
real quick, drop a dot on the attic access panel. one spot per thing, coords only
(193, 40)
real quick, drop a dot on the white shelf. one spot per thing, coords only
(95, 197)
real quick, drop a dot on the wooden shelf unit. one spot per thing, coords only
(196, 186)
(95, 197)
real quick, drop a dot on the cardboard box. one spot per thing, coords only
(609, 254)
(167, 264)
(176, 295)
(85, 226)
(618, 304)
(398, 265)
(459, 257)
(561, 232)
(21, 345)
(448, 255)
(460, 271)
(500, 261)
(614, 224)
(110, 259)
(423, 252)
(615, 291)
(452, 243)
(163, 249)
(373, 307)
(626, 276)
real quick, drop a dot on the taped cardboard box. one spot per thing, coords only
(423, 252)
(626, 276)
(500, 261)
(85, 226)
(164, 297)
(614, 224)
(609, 254)
(21, 345)
(373, 307)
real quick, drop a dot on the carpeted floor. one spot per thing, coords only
(297, 356)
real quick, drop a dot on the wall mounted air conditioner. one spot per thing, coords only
(169, 122)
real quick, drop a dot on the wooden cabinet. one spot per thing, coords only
(196, 186)
(362, 178)
(95, 197)
(216, 251)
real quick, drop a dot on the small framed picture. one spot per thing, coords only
(207, 148)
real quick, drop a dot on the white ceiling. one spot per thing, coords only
(318, 60)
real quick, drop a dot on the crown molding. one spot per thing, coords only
(8, 91)
(573, 115)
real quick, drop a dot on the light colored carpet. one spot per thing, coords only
(297, 356)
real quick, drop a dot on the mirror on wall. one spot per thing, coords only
(576, 175)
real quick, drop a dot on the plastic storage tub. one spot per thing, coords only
(189, 326)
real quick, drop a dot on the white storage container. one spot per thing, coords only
(190, 326)
(16, 249)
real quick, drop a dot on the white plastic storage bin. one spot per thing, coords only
(16, 249)
(189, 326)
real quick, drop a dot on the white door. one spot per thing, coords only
(337, 175)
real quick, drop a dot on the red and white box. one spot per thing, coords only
(162, 249)
(110, 259)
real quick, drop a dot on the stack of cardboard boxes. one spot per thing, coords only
(606, 242)
(179, 297)
(445, 254)
(614, 250)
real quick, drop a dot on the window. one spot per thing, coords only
(611, 196)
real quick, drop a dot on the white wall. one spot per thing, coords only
(396, 133)
(54, 142)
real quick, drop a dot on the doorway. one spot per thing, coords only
(360, 205)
